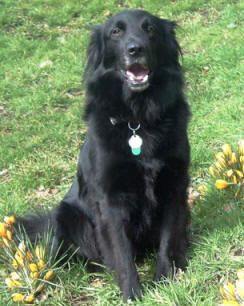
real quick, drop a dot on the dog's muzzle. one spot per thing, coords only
(137, 76)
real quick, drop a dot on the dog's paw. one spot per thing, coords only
(132, 293)
(164, 270)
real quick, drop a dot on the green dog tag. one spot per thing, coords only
(136, 151)
(135, 143)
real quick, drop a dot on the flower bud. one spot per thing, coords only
(9, 235)
(233, 158)
(14, 276)
(34, 275)
(226, 148)
(221, 184)
(213, 171)
(240, 274)
(239, 173)
(229, 173)
(10, 220)
(240, 289)
(29, 299)
(41, 264)
(241, 147)
(234, 179)
(17, 297)
(3, 230)
(228, 291)
(40, 252)
(11, 283)
(33, 267)
(49, 275)
(220, 156)
(6, 242)
(29, 256)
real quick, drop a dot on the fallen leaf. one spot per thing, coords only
(2, 110)
(3, 172)
(231, 25)
(97, 283)
(107, 13)
(43, 192)
(193, 196)
(228, 207)
(44, 64)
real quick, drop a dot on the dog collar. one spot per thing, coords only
(135, 141)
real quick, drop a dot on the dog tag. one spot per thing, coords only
(135, 143)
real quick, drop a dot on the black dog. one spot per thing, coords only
(129, 195)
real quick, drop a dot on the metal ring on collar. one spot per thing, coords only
(134, 129)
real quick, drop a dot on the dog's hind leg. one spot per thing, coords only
(76, 231)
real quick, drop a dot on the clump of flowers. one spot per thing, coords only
(233, 293)
(27, 269)
(228, 168)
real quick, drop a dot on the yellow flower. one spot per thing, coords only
(242, 159)
(9, 235)
(49, 275)
(18, 297)
(29, 299)
(240, 289)
(202, 189)
(29, 256)
(3, 230)
(240, 274)
(6, 242)
(14, 276)
(233, 158)
(19, 260)
(226, 148)
(229, 173)
(10, 220)
(40, 252)
(220, 164)
(239, 173)
(21, 247)
(228, 291)
(230, 303)
(15, 264)
(220, 156)
(34, 275)
(221, 184)
(241, 147)
(12, 283)
(213, 171)
(41, 264)
(33, 267)
(234, 179)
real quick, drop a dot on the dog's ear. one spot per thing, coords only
(171, 41)
(170, 28)
(95, 49)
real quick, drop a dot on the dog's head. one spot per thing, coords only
(136, 46)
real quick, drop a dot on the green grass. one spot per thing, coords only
(42, 58)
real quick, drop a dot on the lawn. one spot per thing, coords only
(42, 58)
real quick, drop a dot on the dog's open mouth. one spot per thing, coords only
(137, 76)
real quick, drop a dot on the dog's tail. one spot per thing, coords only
(35, 226)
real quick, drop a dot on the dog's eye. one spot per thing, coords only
(150, 28)
(116, 32)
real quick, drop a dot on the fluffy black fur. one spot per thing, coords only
(122, 206)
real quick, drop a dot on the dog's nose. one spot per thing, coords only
(134, 48)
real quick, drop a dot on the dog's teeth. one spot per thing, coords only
(137, 79)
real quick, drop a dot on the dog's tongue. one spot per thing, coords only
(137, 72)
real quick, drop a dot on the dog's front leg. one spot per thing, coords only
(173, 229)
(116, 247)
